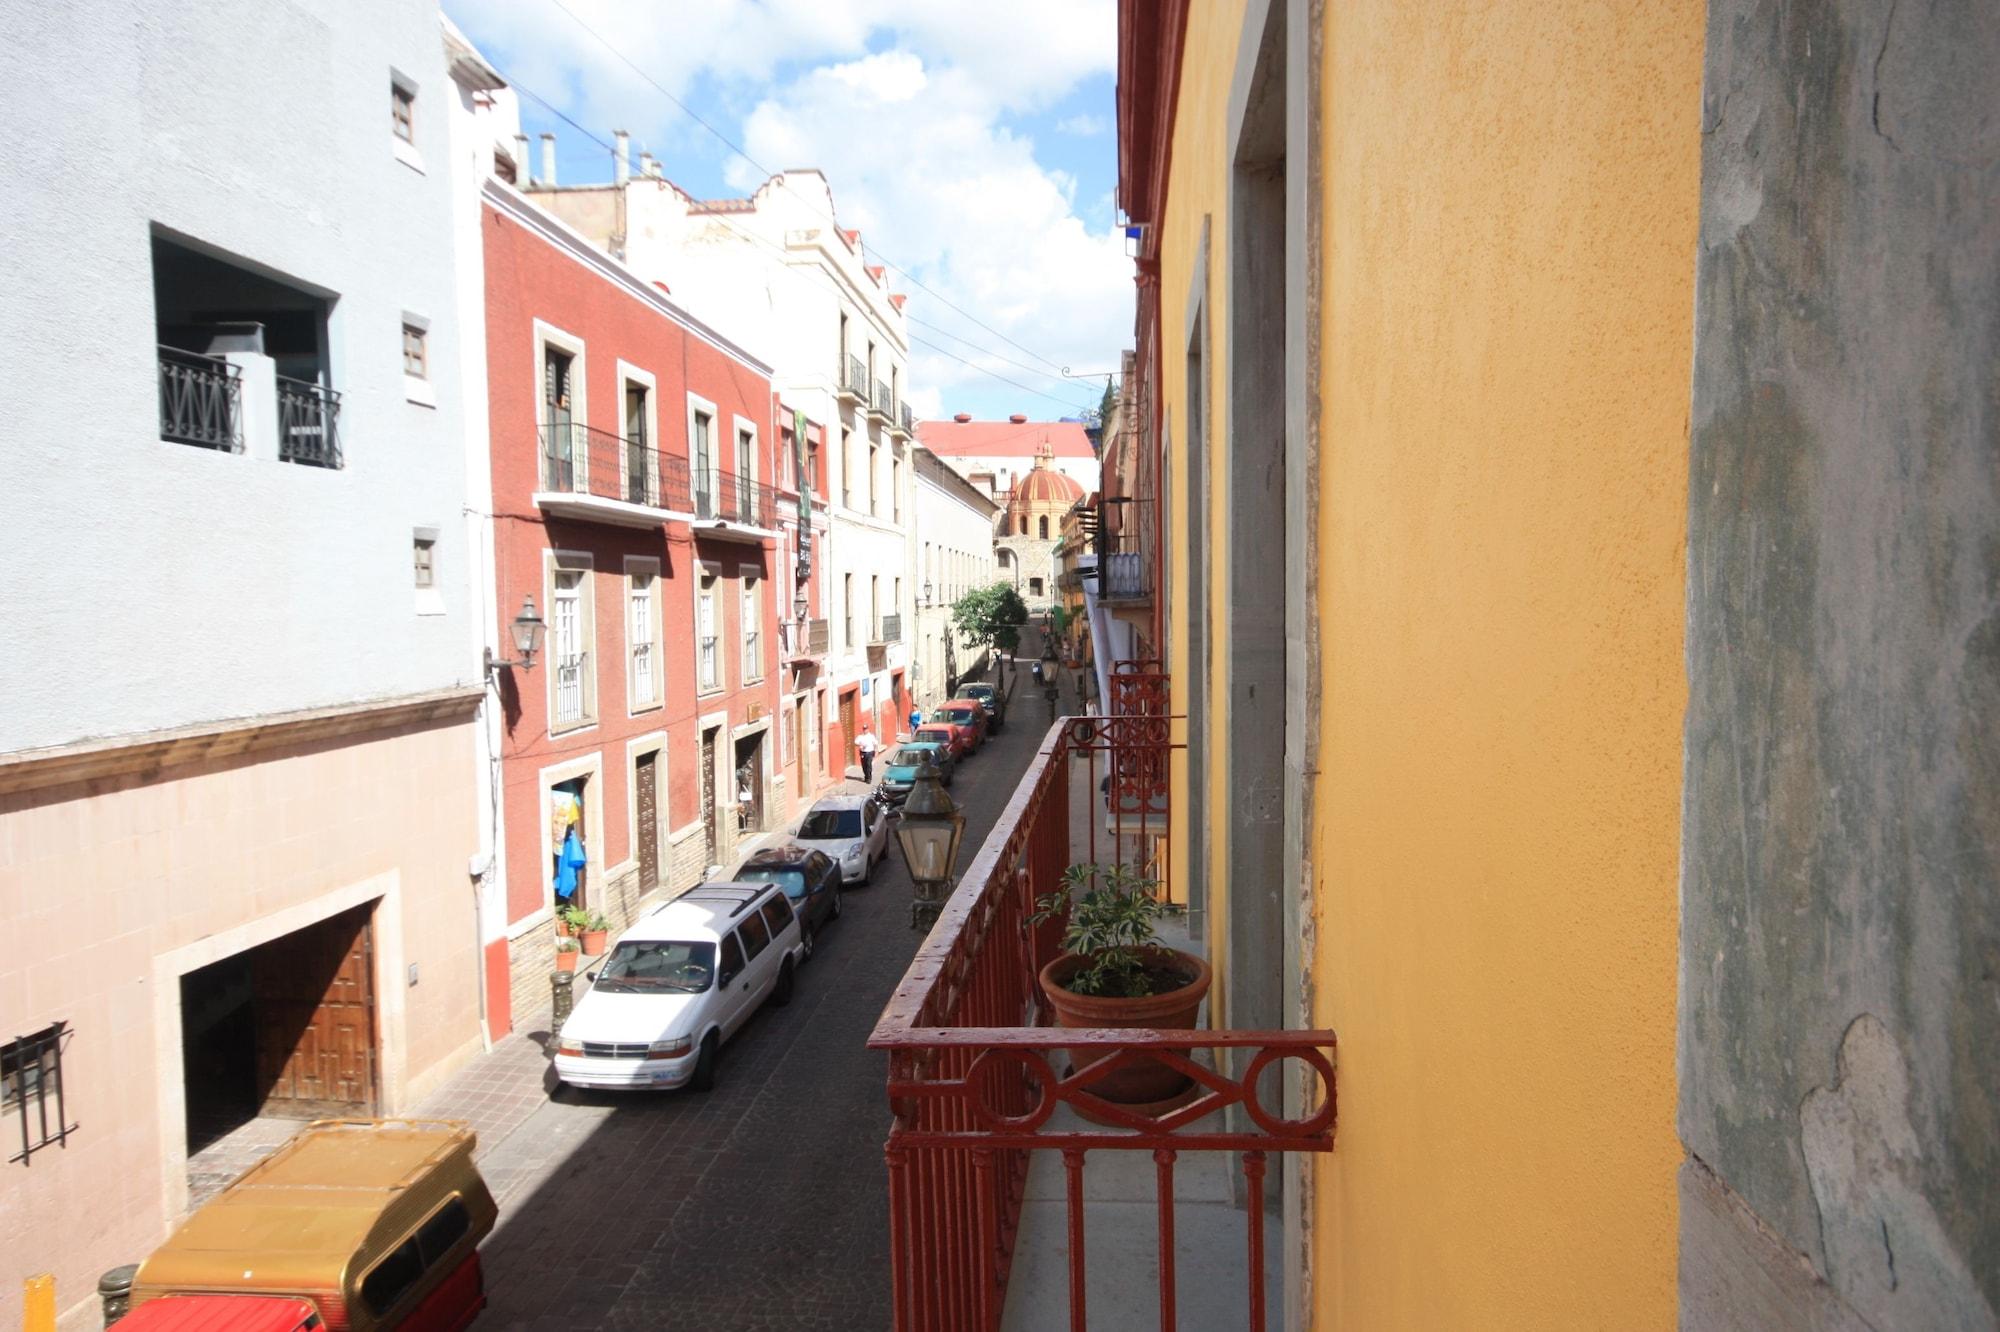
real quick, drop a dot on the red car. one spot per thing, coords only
(956, 739)
(965, 712)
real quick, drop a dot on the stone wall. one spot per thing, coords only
(1840, 1012)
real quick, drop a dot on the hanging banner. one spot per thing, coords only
(805, 494)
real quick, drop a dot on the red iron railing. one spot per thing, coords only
(976, 1073)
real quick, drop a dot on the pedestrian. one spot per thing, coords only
(916, 718)
(866, 744)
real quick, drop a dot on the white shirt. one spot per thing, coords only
(867, 744)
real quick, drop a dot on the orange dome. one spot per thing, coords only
(1044, 487)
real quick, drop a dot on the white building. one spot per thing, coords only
(776, 273)
(954, 534)
(237, 801)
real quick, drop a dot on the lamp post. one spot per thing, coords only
(1049, 667)
(526, 629)
(929, 830)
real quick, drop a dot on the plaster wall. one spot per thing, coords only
(1840, 1015)
(186, 869)
(953, 529)
(1505, 329)
(169, 584)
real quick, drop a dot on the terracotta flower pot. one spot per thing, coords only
(1143, 1081)
(567, 961)
(562, 928)
(593, 942)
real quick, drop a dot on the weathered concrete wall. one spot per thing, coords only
(1840, 958)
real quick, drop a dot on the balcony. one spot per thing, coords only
(802, 640)
(883, 408)
(201, 400)
(852, 381)
(308, 423)
(888, 629)
(595, 476)
(906, 420)
(737, 508)
(1124, 577)
(1001, 1156)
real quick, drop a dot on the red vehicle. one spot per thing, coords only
(966, 712)
(956, 739)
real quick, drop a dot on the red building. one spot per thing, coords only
(635, 461)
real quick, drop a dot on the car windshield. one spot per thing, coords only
(791, 880)
(943, 715)
(942, 737)
(657, 966)
(908, 756)
(975, 691)
(823, 824)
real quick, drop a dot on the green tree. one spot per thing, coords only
(992, 615)
(1110, 397)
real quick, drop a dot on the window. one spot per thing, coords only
(732, 960)
(812, 465)
(778, 911)
(847, 468)
(753, 624)
(425, 550)
(874, 466)
(708, 657)
(642, 634)
(701, 460)
(569, 653)
(31, 1085)
(1034, 587)
(788, 735)
(393, 1277)
(756, 936)
(403, 112)
(415, 353)
(1045, 527)
(640, 483)
(436, 1236)
(896, 488)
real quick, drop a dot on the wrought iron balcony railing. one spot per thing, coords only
(803, 638)
(579, 460)
(853, 380)
(907, 420)
(727, 497)
(889, 629)
(976, 1077)
(201, 400)
(308, 423)
(884, 405)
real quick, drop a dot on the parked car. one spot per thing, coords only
(967, 712)
(851, 829)
(810, 879)
(375, 1222)
(949, 736)
(680, 982)
(988, 697)
(901, 765)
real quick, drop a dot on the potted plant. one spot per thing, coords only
(1114, 972)
(596, 926)
(567, 954)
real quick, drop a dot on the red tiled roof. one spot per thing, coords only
(1003, 439)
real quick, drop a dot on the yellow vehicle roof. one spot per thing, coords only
(295, 1219)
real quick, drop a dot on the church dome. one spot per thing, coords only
(1043, 489)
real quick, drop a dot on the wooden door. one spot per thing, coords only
(315, 1015)
(646, 781)
(711, 831)
(849, 729)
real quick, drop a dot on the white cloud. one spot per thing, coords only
(1083, 126)
(902, 104)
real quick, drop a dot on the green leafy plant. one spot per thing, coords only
(1111, 926)
(567, 946)
(597, 921)
(576, 918)
(993, 614)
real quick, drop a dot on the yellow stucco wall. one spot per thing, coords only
(1509, 228)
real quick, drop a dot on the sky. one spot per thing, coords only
(971, 143)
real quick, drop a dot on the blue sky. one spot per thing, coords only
(971, 143)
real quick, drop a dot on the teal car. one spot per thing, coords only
(899, 770)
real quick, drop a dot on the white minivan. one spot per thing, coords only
(678, 984)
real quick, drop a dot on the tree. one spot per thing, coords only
(992, 615)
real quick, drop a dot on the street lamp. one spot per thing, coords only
(927, 592)
(527, 630)
(929, 831)
(800, 605)
(1049, 668)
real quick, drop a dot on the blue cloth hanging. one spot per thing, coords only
(571, 859)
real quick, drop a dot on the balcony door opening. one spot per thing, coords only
(640, 483)
(244, 357)
(558, 421)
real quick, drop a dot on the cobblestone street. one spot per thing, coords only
(761, 1205)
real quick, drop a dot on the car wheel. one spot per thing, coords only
(704, 1066)
(836, 901)
(782, 995)
(809, 939)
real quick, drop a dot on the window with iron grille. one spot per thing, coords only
(31, 1086)
(645, 690)
(708, 658)
(753, 623)
(569, 621)
(403, 112)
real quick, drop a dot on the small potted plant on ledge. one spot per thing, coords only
(567, 954)
(1114, 972)
(594, 930)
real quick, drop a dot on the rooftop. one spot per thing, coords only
(1016, 437)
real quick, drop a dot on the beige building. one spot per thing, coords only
(1030, 529)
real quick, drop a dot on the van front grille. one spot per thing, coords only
(607, 1050)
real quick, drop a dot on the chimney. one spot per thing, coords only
(1019, 418)
(549, 160)
(621, 157)
(653, 167)
(962, 417)
(645, 164)
(524, 166)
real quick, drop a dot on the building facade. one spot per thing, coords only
(633, 475)
(1002, 452)
(778, 274)
(1030, 528)
(237, 794)
(954, 534)
(1576, 709)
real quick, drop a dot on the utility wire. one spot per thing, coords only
(736, 148)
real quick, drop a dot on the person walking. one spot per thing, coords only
(866, 744)
(916, 718)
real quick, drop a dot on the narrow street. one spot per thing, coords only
(761, 1205)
